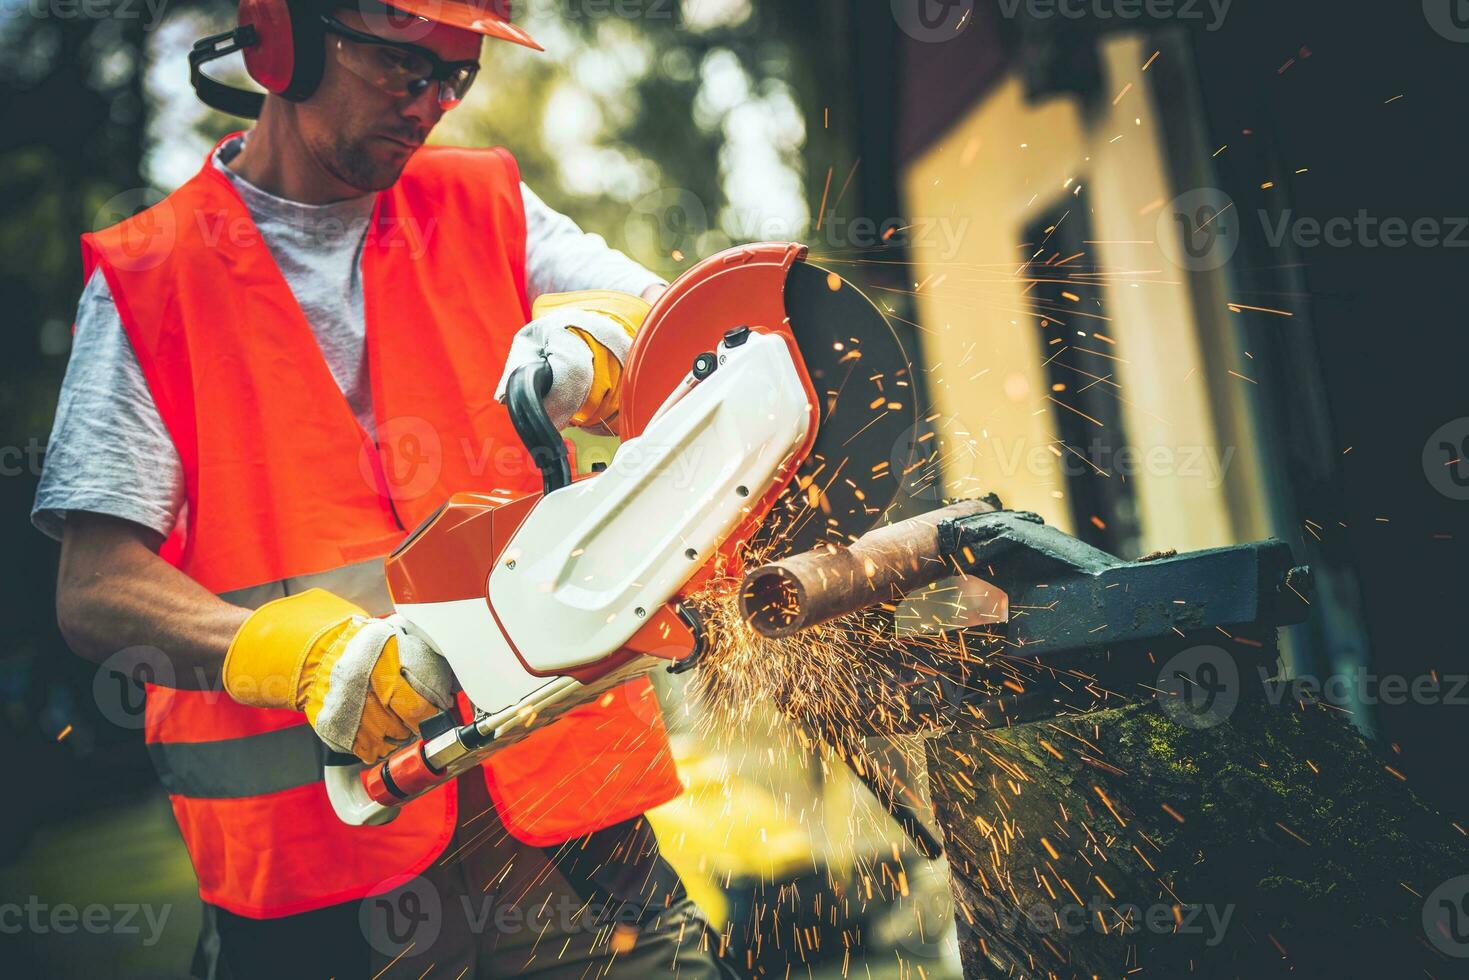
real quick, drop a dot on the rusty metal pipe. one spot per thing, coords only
(884, 564)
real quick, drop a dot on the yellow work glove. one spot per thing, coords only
(586, 336)
(364, 684)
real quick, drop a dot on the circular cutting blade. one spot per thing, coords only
(864, 380)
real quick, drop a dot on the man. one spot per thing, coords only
(255, 359)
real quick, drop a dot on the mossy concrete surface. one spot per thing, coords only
(1119, 843)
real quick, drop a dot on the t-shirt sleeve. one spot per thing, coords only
(109, 452)
(561, 258)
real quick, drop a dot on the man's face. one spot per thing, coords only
(361, 134)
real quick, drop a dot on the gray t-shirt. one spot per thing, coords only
(109, 452)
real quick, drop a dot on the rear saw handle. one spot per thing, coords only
(368, 795)
(524, 399)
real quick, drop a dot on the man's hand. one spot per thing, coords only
(585, 336)
(364, 684)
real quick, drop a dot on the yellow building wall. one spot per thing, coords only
(999, 169)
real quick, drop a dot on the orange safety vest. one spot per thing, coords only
(285, 491)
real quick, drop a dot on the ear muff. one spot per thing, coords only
(287, 58)
(283, 43)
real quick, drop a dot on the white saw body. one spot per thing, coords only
(583, 595)
(581, 572)
(754, 374)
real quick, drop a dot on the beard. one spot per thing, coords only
(367, 163)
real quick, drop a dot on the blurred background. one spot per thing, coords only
(1174, 275)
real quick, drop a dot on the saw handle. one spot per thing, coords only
(524, 396)
(348, 795)
(368, 795)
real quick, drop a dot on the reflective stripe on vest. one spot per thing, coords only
(362, 583)
(254, 765)
(228, 792)
(269, 761)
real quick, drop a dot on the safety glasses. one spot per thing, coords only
(398, 68)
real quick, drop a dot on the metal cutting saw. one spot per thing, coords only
(763, 402)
